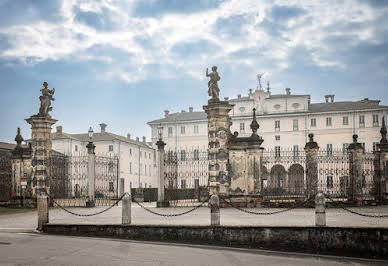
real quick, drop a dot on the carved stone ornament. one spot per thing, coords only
(45, 100)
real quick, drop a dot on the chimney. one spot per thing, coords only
(288, 91)
(137, 139)
(166, 112)
(103, 127)
(144, 139)
(226, 98)
(332, 98)
(327, 98)
(250, 91)
(128, 136)
(191, 109)
(239, 96)
(59, 129)
(183, 111)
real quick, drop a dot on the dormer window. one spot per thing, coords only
(242, 109)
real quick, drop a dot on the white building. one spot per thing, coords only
(285, 121)
(137, 162)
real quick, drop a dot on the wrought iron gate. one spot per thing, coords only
(5, 176)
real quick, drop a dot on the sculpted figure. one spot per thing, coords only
(213, 91)
(45, 100)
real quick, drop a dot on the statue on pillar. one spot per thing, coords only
(214, 91)
(45, 100)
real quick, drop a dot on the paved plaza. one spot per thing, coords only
(201, 216)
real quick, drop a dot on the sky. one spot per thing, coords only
(123, 63)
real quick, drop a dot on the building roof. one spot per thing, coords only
(276, 96)
(7, 146)
(104, 136)
(313, 108)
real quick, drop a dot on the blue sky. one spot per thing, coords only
(124, 62)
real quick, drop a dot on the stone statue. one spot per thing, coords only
(259, 76)
(214, 91)
(45, 100)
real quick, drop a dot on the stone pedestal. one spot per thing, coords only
(320, 210)
(355, 151)
(41, 149)
(126, 210)
(214, 203)
(219, 124)
(161, 203)
(43, 210)
(311, 149)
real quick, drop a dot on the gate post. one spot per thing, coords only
(320, 209)
(311, 149)
(126, 209)
(355, 170)
(381, 168)
(91, 170)
(214, 210)
(43, 210)
(162, 202)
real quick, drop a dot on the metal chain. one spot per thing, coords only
(172, 215)
(86, 215)
(263, 213)
(363, 214)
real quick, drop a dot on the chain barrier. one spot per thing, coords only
(172, 215)
(86, 215)
(263, 213)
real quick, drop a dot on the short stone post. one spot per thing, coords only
(91, 174)
(43, 211)
(126, 209)
(355, 151)
(162, 202)
(311, 149)
(320, 209)
(214, 210)
(381, 166)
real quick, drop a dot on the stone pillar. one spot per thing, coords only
(311, 149)
(21, 169)
(320, 209)
(126, 209)
(219, 124)
(355, 151)
(91, 174)
(41, 148)
(214, 210)
(381, 167)
(43, 211)
(161, 200)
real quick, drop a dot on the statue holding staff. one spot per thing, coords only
(45, 100)
(213, 91)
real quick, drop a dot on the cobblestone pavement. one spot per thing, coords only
(201, 216)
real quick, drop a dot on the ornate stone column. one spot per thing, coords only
(311, 149)
(219, 124)
(161, 200)
(381, 167)
(91, 174)
(355, 151)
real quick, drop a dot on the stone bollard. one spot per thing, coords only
(214, 210)
(320, 210)
(126, 209)
(43, 211)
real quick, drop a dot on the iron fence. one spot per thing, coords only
(5, 176)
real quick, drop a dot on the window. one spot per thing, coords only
(295, 150)
(141, 166)
(242, 127)
(196, 183)
(363, 146)
(183, 183)
(362, 121)
(130, 151)
(170, 131)
(329, 149)
(183, 130)
(183, 155)
(277, 137)
(76, 148)
(345, 120)
(313, 122)
(149, 156)
(130, 167)
(170, 155)
(110, 147)
(328, 121)
(196, 130)
(375, 120)
(277, 151)
(329, 181)
(196, 154)
(374, 147)
(111, 186)
(277, 125)
(145, 169)
(345, 147)
(295, 124)
(149, 170)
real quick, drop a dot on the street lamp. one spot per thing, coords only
(90, 132)
(90, 145)
(160, 143)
